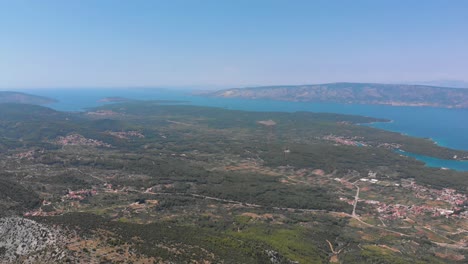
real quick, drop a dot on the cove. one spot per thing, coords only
(437, 163)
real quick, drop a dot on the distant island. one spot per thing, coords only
(118, 99)
(23, 98)
(114, 99)
(356, 93)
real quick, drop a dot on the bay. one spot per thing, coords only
(438, 163)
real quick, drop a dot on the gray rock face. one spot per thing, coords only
(26, 241)
(276, 258)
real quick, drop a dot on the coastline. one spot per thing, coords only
(404, 120)
(456, 165)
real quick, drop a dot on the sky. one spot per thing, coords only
(229, 43)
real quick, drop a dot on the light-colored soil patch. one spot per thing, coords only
(257, 216)
(390, 248)
(267, 122)
(318, 172)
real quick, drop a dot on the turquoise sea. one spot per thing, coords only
(447, 127)
(438, 163)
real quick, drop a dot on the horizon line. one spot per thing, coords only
(212, 87)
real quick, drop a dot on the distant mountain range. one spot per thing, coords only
(18, 97)
(356, 93)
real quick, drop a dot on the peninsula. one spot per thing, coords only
(24, 98)
(356, 93)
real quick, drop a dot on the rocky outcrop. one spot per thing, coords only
(26, 241)
(277, 258)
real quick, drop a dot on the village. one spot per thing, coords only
(456, 203)
(345, 141)
(126, 134)
(77, 139)
(358, 142)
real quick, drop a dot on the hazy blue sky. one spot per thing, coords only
(230, 42)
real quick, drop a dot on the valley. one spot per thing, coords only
(146, 182)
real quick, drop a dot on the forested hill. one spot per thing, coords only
(18, 97)
(356, 93)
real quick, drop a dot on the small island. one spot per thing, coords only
(114, 99)
(118, 99)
